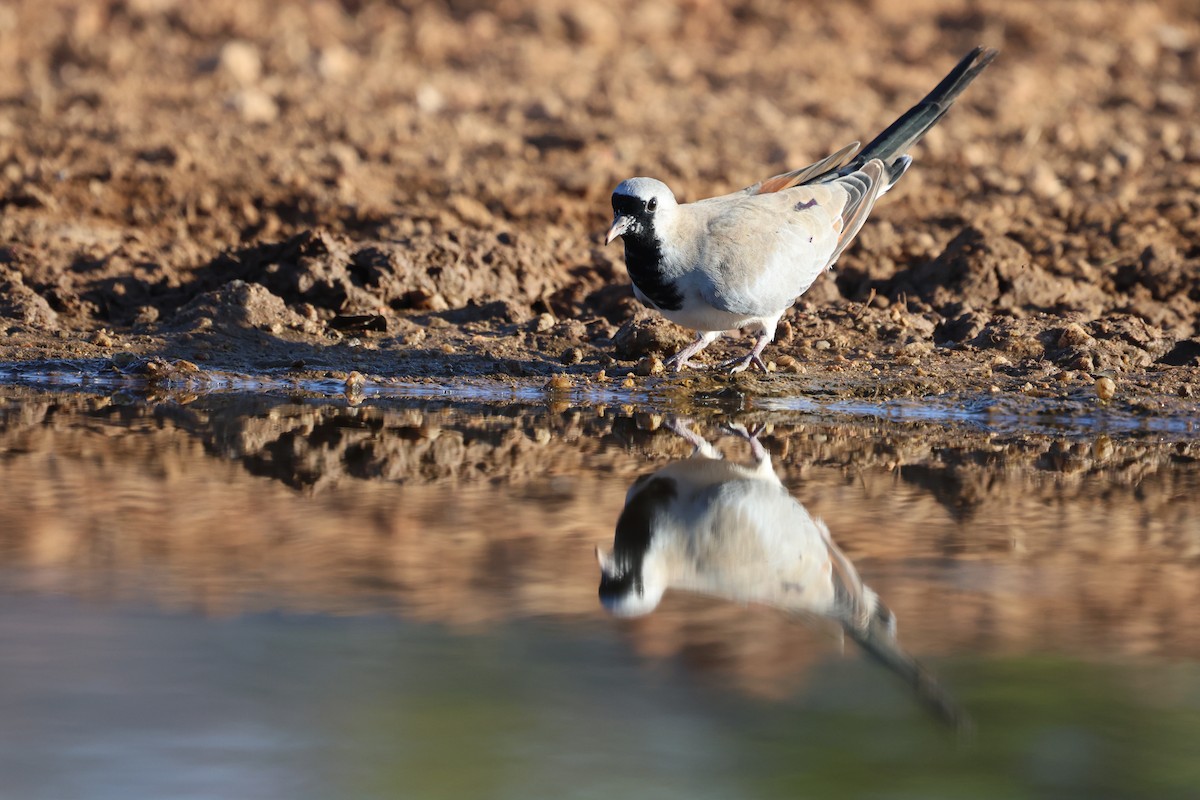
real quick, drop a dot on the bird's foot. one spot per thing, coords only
(676, 363)
(737, 365)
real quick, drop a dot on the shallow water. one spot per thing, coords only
(271, 596)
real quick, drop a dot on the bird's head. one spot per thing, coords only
(633, 577)
(630, 589)
(639, 205)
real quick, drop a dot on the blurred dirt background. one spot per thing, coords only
(418, 189)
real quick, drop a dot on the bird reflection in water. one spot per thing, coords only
(732, 531)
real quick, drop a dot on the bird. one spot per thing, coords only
(741, 260)
(733, 531)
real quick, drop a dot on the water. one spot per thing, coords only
(268, 596)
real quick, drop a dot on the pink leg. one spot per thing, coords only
(751, 436)
(703, 340)
(681, 429)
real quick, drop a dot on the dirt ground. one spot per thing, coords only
(417, 191)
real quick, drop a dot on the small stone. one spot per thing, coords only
(1073, 336)
(784, 333)
(1106, 389)
(448, 349)
(1082, 361)
(572, 355)
(821, 344)
(335, 62)
(102, 338)
(429, 99)
(255, 105)
(649, 365)
(788, 364)
(240, 61)
(994, 389)
(602, 377)
(559, 383)
(542, 323)
(628, 384)
(355, 382)
(146, 315)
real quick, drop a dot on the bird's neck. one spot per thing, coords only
(644, 260)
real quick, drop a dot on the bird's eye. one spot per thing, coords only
(652, 204)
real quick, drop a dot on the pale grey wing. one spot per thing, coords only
(755, 543)
(766, 250)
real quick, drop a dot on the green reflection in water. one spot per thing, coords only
(520, 715)
(108, 702)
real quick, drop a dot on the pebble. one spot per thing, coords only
(572, 355)
(787, 363)
(1073, 336)
(1106, 389)
(255, 105)
(543, 322)
(240, 61)
(559, 383)
(649, 365)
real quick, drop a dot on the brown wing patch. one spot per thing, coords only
(803, 175)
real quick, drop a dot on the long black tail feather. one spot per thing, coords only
(891, 145)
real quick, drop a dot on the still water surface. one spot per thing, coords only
(249, 596)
